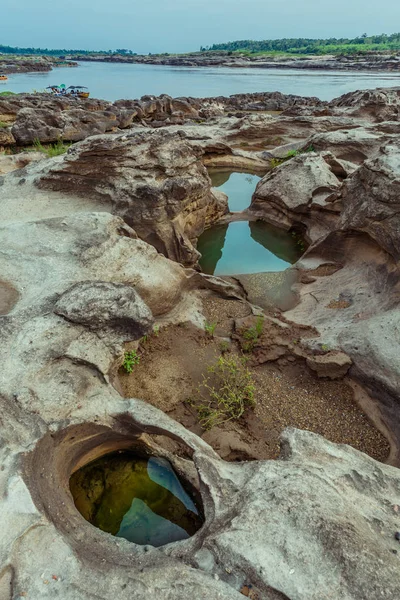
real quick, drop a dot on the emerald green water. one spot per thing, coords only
(141, 500)
(244, 247)
(239, 187)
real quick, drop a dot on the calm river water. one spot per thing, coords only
(114, 81)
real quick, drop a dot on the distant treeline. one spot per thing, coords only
(47, 52)
(362, 43)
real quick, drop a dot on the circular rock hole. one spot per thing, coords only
(136, 497)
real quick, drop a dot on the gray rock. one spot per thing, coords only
(103, 306)
(371, 199)
(155, 180)
(301, 191)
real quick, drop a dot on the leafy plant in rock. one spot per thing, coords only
(131, 359)
(252, 334)
(225, 393)
(3, 125)
(53, 149)
(224, 347)
(210, 328)
(275, 162)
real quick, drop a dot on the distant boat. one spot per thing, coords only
(78, 90)
(3, 77)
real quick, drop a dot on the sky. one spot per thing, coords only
(185, 25)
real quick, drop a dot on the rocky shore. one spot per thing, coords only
(98, 255)
(351, 62)
(31, 64)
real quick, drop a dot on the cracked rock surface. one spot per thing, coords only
(80, 274)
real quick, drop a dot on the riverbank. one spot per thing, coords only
(11, 64)
(380, 61)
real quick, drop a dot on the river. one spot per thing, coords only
(114, 81)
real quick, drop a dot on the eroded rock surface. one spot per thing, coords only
(300, 191)
(314, 524)
(155, 180)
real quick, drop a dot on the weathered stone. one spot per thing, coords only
(103, 306)
(333, 365)
(371, 199)
(155, 181)
(299, 192)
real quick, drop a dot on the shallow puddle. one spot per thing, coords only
(239, 187)
(243, 247)
(139, 499)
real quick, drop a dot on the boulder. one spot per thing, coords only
(155, 180)
(371, 199)
(49, 126)
(352, 145)
(381, 104)
(103, 306)
(333, 365)
(301, 191)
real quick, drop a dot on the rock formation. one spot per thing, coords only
(86, 245)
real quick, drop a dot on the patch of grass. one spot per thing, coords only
(275, 162)
(3, 125)
(299, 241)
(53, 149)
(225, 393)
(7, 93)
(131, 359)
(224, 347)
(252, 334)
(209, 328)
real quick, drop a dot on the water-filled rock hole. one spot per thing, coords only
(244, 247)
(139, 498)
(239, 187)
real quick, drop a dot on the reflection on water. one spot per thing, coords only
(242, 247)
(114, 81)
(239, 187)
(140, 500)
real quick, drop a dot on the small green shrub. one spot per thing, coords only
(3, 125)
(225, 393)
(210, 328)
(299, 241)
(53, 149)
(275, 162)
(131, 359)
(252, 334)
(156, 330)
(224, 347)
(6, 93)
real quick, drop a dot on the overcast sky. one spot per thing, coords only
(184, 25)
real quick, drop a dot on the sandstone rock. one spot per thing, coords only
(6, 137)
(380, 104)
(371, 199)
(314, 524)
(102, 306)
(13, 162)
(155, 181)
(300, 191)
(49, 126)
(333, 365)
(355, 145)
